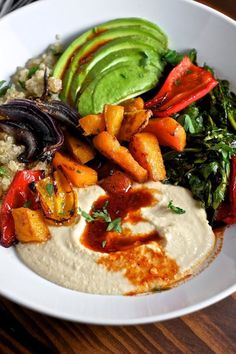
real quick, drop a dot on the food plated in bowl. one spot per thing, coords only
(127, 223)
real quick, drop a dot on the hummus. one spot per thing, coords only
(185, 242)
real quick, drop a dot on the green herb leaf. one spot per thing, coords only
(3, 171)
(32, 71)
(99, 214)
(3, 89)
(21, 84)
(175, 209)
(85, 215)
(115, 225)
(50, 189)
(2, 82)
(27, 204)
(104, 242)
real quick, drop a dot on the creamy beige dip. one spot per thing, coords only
(186, 238)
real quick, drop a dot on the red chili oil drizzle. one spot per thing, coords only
(124, 206)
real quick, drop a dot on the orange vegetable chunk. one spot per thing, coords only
(93, 124)
(145, 148)
(79, 175)
(168, 132)
(110, 147)
(113, 118)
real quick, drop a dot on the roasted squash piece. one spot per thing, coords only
(30, 225)
(92, 124)
(110, 147)
(145, 148)
(134, 122)
(80, 150)
(113, 118)
(116, 183)
(79, 175)
(57, 198)
(133, 104)
(168, 132)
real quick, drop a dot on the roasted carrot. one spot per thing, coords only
(168, 132)
(92, 124)
(79, 175)
(145, 148)
(110, 147)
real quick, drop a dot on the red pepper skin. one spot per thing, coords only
(185, 84)
(227, 212)
(17, 194)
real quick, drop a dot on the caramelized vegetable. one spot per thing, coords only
(79, 175)
(81, 151)
(145, 148)
(57, 198)
(168, 132)
(92, 124)
(134, 122)
(109, 146)
(17, 195)
(113, 118)
(133, 104)
(30, 225)
(116, 183)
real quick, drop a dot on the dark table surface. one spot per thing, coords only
(212, 330)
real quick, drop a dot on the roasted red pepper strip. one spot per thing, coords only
(18, 194)
(227, 212)
(185, 84)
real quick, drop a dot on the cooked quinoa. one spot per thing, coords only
(27, 81)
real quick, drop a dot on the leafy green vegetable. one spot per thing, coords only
(175, 209)
(172, 57)
(204, 165)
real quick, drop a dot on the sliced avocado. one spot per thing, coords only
(93, 32)
(117, 83)
(121, 56)
(99, 41)
(143, 43)
(130, 49)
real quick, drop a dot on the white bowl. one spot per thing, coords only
(26, 33)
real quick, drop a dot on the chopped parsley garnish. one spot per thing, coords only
(22, 84)
(27, 204)
(87, 217)
(3, 171)
(32, 71)
(115, 225)
(3, 88)
(175, 209)
(102, 214)
(78, 171)
(50, 189)
(104, 242)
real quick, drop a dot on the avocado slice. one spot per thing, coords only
(121, 56)
(92, 45)
(143, 43)
(117, 83)
(64, 60)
